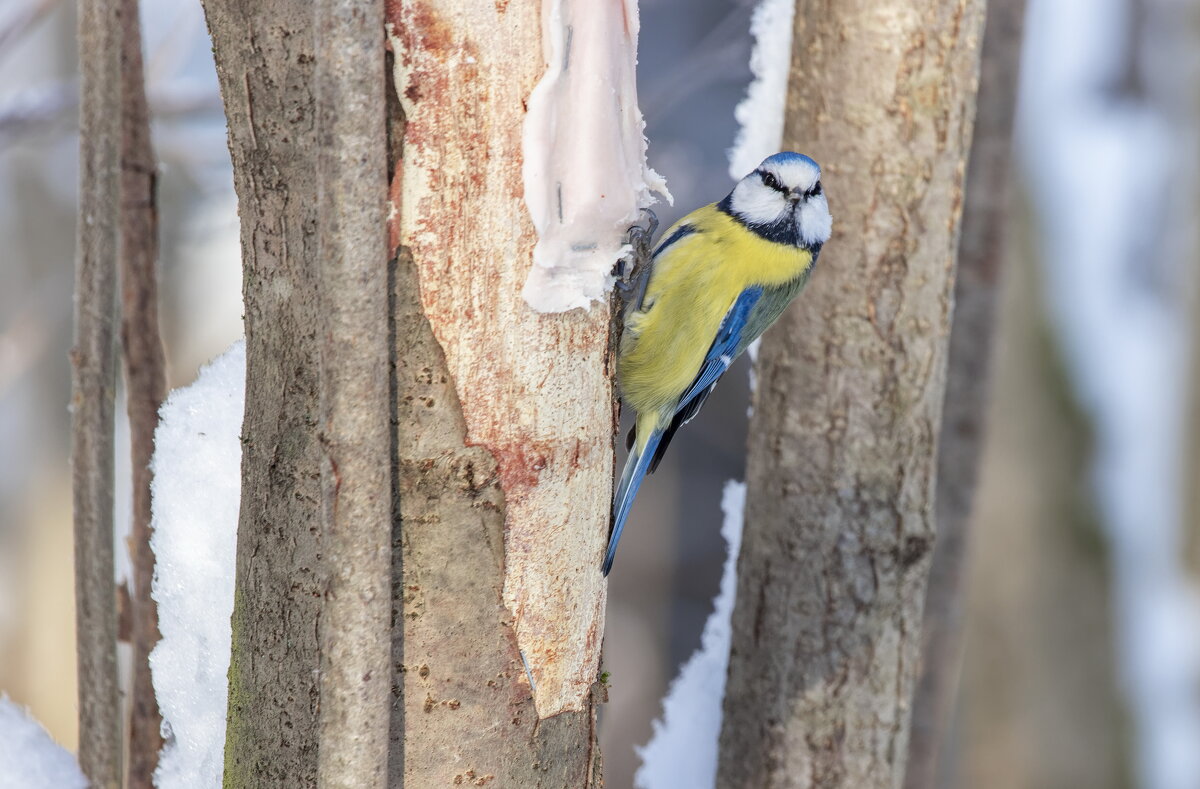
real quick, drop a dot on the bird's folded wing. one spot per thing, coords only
(723, 349)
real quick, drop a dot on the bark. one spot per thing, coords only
(356, 437)
(503, 453)
(265, 62)
(145, 385)
(93, 379)
(980, 256)
(839, 516)
(504, 427)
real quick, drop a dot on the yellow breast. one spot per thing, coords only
(693, 284)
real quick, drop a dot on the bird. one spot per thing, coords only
(715, 281)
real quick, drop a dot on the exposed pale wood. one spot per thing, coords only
(839, 516)
(93, 380)
(356, 437)
(145, 385)
(535, 389)
(976, 287)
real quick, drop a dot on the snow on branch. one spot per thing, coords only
(196, 495)
(682, 753)
(760, 114)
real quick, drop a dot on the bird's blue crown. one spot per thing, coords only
(789, 157)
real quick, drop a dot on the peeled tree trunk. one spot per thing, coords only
(839, 516)
(501, 454)
(504, 426)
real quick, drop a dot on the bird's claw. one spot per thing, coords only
(633, 268)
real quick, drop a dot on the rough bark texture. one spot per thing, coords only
(535, 389)
(145, 385)
(265, 56)
(980, 255)
(839, 517)
(93, 380)
(356, 436)
(503, 431)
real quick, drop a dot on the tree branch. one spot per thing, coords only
(145, 383)
(93, 371)
(355, 636)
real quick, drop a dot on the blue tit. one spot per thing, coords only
(717, 279)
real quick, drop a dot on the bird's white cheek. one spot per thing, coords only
(815, 222)
(757, 204)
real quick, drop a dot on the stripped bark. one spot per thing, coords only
(839, 516)
(504, 430)
(980, 255)
(265, 62)
(145, 385)
(534, 388)
(93, 381)
(352, 184)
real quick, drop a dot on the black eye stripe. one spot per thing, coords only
(771, 181)
(816, 190)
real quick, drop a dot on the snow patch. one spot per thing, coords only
(196, 494)
(29, 759)
(682, 752)
(584, 147)
(760, 114)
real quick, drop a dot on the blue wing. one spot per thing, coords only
(720, 356)
(724, 348)
(644, 460)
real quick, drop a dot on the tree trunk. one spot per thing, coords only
(1040, 699)
(839, 517)
(145, 384)
(93, 382)
(265, 55)
(504, 418)
(980, 256)
(504, 430)
(356, 436)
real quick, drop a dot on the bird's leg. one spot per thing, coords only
(633, 270)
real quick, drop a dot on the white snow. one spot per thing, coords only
(682, 753)
(1102, 171)
(197, 484)
(29, 759)
(760, 114)
(584, 150)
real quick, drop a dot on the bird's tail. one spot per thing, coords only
(640, 456)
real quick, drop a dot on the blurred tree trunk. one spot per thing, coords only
(145, 384)
(93, 390)
(839, 515)
(980, 254)
(502, 451)
(1040, 704)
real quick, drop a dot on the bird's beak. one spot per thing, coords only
(795, 196)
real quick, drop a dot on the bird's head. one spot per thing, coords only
(783, 200)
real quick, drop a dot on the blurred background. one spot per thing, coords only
(1082, 660)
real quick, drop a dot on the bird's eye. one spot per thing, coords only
(770, 180)
(816, 190)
